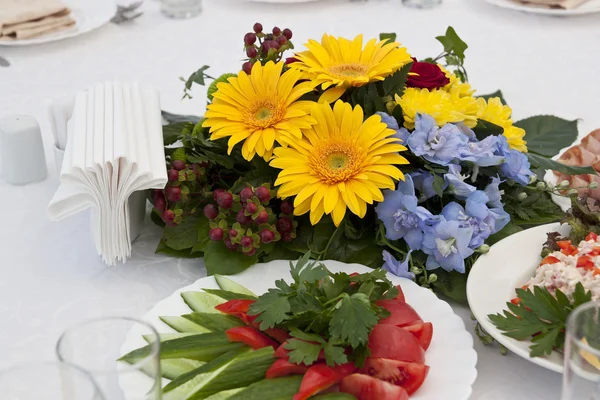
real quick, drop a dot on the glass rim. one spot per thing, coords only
(154, 345)
(571, 322)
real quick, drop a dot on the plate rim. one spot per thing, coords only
(484, 321)
(510, 5)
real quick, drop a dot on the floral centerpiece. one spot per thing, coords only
(357, 152)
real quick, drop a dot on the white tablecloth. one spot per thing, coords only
(50, 276)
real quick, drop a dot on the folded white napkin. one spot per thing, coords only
(115, 148)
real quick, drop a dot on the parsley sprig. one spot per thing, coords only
(325, 311)
(540, 315)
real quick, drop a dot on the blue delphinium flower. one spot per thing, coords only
(494, 193)
(401, 215)
(401, 133)
(437, 145)
(456, 183)
(447, 245)
(396, 267)
(423, 181)
(516, 165)
(481, 153)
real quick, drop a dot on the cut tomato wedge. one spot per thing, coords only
(402, 314)
(389, 341)
(282, 367)
(250, 336)
(549, 260)
(408, 375)
(320, 377)
(237, 308)
(400, 296)
(423, 332)
(567, 248)
(585, 262)
(591, 236)
(278, 334)
(365, 387)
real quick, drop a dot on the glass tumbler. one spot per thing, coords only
(581, 378)
(47, 381)
(180, 9)
(95, 346)
(421, 3)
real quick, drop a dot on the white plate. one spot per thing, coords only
(590, 7)
(88, 15)
(494, 277)
(450, 355)
(282, 1)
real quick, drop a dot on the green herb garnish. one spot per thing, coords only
(540, 315)
(325, 311)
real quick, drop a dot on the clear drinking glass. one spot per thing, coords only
(47, 381)
(95, 347)
(581, 379)
(421, 3)
(181, 8)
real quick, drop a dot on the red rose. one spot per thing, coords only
(430, 76)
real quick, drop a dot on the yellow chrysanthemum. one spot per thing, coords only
(337, 64)
(260, 109)
(456, 86)
(439, 104)
(341, 162)
(499, 114)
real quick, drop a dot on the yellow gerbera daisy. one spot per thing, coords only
(341, 162)
(260, 109)
(499, 114)
(439, 104)
(340, 63)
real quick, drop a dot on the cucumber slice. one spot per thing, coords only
(270, 389)
(186, 384)
(225, 394)
(174, 368)
(227, 295)
(203, 347)
(183, 325)
(245, 370)
(334, 396)
(202, 301)
(213, 322)
(167, 336)
(232, 286)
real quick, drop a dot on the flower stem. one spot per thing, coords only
(330, 240)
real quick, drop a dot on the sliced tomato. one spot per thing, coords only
(389, 341)
(408, 375)
(282, 352)
(365, 387)
(400, 296)
(595, 251)
(282, 367)
(591, 236)
(402, 314)
(320, 377)
(596, 271)
(567, 248)
(250, 336)
(423, 332)
(585, 262)
(278, 334)
(549, 260)
(237, 308)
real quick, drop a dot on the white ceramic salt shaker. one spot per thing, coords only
(21, 150)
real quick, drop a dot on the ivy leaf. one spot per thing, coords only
(497, 94)
(220, 260)
(196, 77)
(453, 43)
(390, 37)
(547, 135)
(540, 161)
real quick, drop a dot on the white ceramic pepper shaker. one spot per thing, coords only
(21, 150)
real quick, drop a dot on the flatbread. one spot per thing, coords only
(52, 26)
(40, 23)
(18, 11)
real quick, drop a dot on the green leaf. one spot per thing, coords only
(497, 94)
(396, 83)
(172, 132)
(544, 343)
(280, 252)
(202, 228)
(220, 260)
(362, 251)
(298, 334)
(334, 355)
(546, 163)
(484, 129)
(510, 229)
(174, 118)
(547, 135)
(272, 308)
(438, 185)
(353, 320)
(453, 43)
(373, 101)
(303, 352)
(451, 284)
(184, 235)
(390, 37)
(197, 77)
(162, 248)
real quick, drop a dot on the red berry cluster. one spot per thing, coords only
(263, 47)
(244, 221)
(175, 201)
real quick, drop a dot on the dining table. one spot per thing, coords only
(51, 276)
